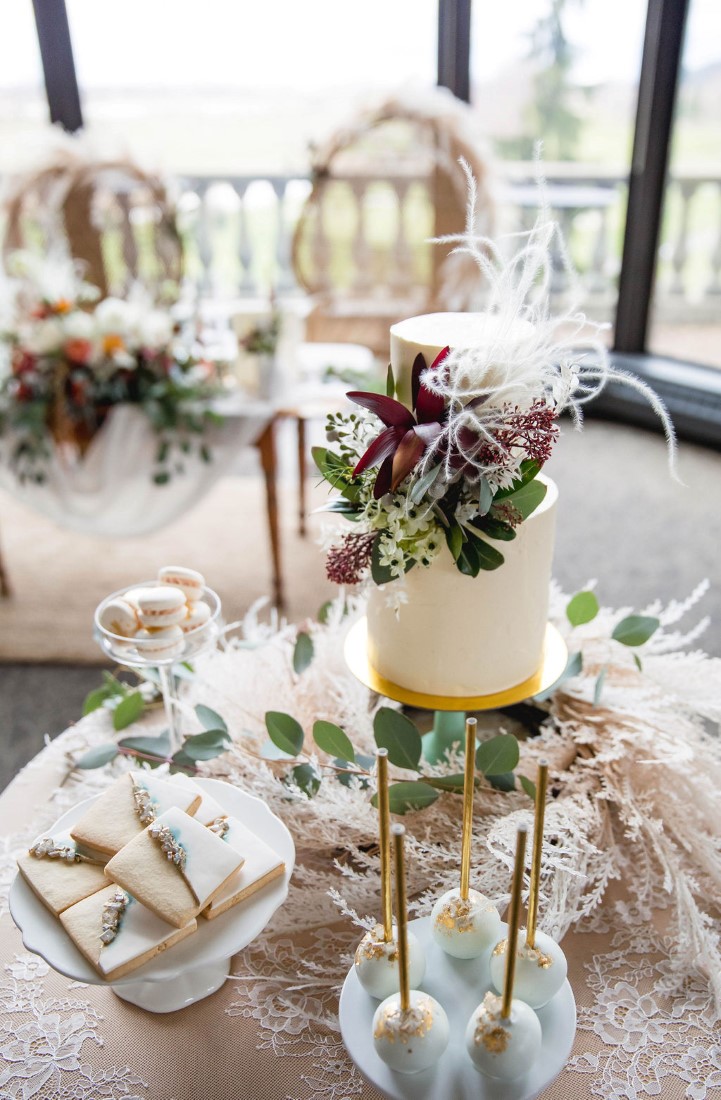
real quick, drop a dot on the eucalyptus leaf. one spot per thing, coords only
(574, 666)
(453, 783)
(152, 746)
(331, 739)
(114, 686)
(284, 731)
(181, 762)
(95, 699)
(582, 608)
(306, 778)
(497, 756)
(598, 689)
(210, 719)
(635, 629)
(396, 733)
(97, 756)
(128, 710)
(637, 662)
(405, 797)
(529, 786)
(485, 496)
(302, 652)
(269, 751)
(362, 761)
(454, 540)
(506, 781)
(324, 612)
(422, 484)
(206, 745)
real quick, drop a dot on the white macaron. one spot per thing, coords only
(198, 615)
(160, 643)
(160, 606)
(189, 581)
(119, 617)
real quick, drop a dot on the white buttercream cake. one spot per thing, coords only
(455, 635)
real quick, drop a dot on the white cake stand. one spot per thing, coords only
(197, 966)
(459, 985)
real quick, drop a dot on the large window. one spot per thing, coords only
(686, 321)
(23, 107)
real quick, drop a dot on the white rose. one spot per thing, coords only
(79, 326)
(154, 330)
(43, 337)
(114, 317)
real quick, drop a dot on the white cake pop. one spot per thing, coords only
(503, 1048)
(413, 1039)
(464, 923)
(376, 963)
(540, 970)
(376, 957)
(465, 927)
(410, 1028)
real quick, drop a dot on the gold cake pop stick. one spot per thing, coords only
(540, 812)
(384, 824)
(514, 920)
(402, 916)
(468, 789)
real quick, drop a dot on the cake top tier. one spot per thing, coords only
(430, 333)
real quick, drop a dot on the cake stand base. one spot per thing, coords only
(169, 996)
(449, 729)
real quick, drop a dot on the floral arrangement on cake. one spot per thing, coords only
(458, 465)
(71, 358)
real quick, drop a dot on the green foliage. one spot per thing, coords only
(454, 783)
(390, 382)
(206, 745)
(97, 756)
(128, 710)
(408, 796)
(598, 688)
(396, 733)
(209, 719)
(529, 787)
(285, 732)
(637, 662)
(306, 778)
(582, 608)
(526, 499)
(336, 472)
(302, 652)
(529, 469)
(148, 746)
(504, 781)
(635, 629)
(331, 739)
(497, 756)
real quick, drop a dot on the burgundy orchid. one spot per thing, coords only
(406, 437)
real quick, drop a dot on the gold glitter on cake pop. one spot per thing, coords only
(402, 1024)
(523, 951)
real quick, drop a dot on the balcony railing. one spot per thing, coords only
(239, 231)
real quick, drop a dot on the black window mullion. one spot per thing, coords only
(56, 51)
(454, 47)
(662, 48)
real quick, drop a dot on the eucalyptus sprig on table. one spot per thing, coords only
(496, 759)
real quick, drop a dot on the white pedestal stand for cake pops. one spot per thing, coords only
(450, 710)
(459, 985)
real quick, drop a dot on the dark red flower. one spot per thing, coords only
(348, 562)
(407, 434)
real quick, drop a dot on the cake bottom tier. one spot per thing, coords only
(459, 635)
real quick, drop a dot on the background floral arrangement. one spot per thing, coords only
(460, 465)
(71, 358)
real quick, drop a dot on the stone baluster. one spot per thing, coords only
(284, 276)
(363, 278)
(598, 282)
(245, 251)
(203, 237)
(401, 256)
(680, 253)
(714, 286)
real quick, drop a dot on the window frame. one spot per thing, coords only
(691, 391)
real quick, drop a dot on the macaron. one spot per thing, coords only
(198, 615)
(161, 642)
(189, 581)
(119, 617)
(160, 606)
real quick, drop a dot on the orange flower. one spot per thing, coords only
(63, 305)
(112, 343)
(78, 351)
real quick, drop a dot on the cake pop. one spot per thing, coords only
(463, 921)
(376, 957)
(540, 963)
(503, 1036)
(410, 1028)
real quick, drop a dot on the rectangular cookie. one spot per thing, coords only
(53, 869)
(209, 809)
(123, 811)
(176, 866)
(261, 865)
(117, 934)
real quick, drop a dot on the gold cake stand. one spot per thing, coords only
(450, 709)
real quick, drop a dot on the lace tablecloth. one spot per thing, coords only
(271, 1031)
